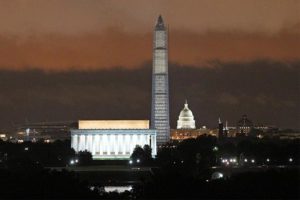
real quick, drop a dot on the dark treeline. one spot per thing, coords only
(58, 153)
(180, 170)
(270, 184)
(206, 151)
(31, 181)
(185, 169)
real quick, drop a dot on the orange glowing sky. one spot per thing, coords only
(91, 34)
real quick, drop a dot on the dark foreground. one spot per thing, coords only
(182, 171)
(40, 183)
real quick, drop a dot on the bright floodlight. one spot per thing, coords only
(215, 148)
(217, 175)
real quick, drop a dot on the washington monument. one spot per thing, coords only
(160, 87)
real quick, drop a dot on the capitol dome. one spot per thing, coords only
(186, 118)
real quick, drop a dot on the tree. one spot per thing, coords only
(142, 154)
(85, 157)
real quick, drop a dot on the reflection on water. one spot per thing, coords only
(118, 189)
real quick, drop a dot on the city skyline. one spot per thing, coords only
(160, 99)
(89, 67)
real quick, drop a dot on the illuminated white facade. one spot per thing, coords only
(105, 140)
(186, 118)
(160, 88)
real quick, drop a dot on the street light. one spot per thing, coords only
(215, 148)
(130, 162)
(290, 159)
(138, 160)
(72, 162)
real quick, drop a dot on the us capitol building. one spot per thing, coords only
(186, 118)
(186, 126)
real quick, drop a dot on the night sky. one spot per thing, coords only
(71, 59)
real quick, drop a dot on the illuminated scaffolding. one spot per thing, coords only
(160, 88)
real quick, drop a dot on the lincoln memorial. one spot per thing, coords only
(112, 139)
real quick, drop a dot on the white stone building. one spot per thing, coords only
(112, 139)
(186, 118)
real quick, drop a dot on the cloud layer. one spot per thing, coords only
(266, 91)
(66, 34)
(114, 48)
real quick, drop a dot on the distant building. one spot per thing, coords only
(3, 136)
(287, 136)
(112, 139)
(225, 131)
(220, 129)
(186, 126)
(47, 131)
(182, 134)
(186, 118)
(244, 126)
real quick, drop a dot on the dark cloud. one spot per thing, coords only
(267, 91)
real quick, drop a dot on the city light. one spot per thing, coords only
(217, 175)
(138, 160)
(130, 162)
(76, 160)
(215, 148)
(253, 161)
(246, 160)
(290, 159)
(228, 161)
(26, 148)
(72, 162)
(268, 160)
